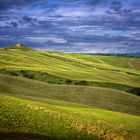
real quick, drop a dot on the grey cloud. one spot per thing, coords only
(14, 24)
(4, 17)
(7, 4)
(97, 29)
(36, 22)
(29, 19)
(116, 5)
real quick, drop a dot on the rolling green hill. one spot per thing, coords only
(104, 71)
(55, 96)
(33, 120)
(70, 95)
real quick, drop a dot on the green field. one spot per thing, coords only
(65, 122)
(106, 71)
(72, 95)
(52, 95)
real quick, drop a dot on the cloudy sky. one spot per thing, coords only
(83, 26)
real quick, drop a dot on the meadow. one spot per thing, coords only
(109, 71)
(57, 122)
(53, 95)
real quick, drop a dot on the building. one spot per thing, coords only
(19, 45)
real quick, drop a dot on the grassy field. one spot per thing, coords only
(99, 69)
(86, 96)
(57, 122)
(78, 69)
(54, 96)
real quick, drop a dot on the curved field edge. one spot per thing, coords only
(18, 115)
(69, 95)
(48, 78)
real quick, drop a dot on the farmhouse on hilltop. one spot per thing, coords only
(19, 45)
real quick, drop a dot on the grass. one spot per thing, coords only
(70, 95)
(119, 61)
(81, 67)
(55, 96)
(48, 78)
(57, 122)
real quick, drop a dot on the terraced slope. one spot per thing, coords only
(33, 120)
(105, 71)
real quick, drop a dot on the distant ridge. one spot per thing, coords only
(133, 54)
(24, 47)
(113, 54)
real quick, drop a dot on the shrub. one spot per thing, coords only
(14, 73)
(28, 74)
(84, 83)
(68, 81)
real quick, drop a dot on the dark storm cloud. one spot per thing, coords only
(14, 24)
(27, 19)
(36, 22)
(4, 17)
(72, 25)
(8, 4)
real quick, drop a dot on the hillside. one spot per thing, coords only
(33, 120)
(67, 95)
(104, 71)
(53, 96)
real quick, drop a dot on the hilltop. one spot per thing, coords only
(17, 46)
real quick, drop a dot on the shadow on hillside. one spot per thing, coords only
(52, 79)
(136, 91)
(26, 136)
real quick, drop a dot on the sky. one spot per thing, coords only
(72, 26)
